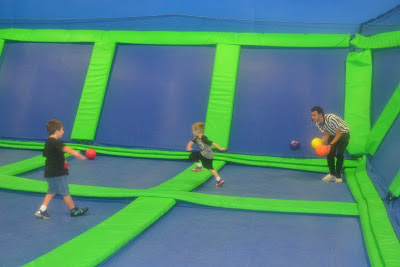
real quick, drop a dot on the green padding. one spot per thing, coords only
(177, 38)
(222, 94)
(394, 188)
(382, 40)
(358, 99)
(384, 237)
(291, 163)
(188, 180)
(100, 242)
(93, 92)
(1, 46)
(384, 122)
(243, 203)
(372, 248)
(23, 166)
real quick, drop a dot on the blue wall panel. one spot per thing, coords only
(40, 82)
(155, 94)
(276, 90)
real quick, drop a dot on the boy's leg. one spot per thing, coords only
(47, 199)
(70, 203)
(207, 163)
(195, 157)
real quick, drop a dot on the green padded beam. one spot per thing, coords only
(100, 242)
(382, 240)
(382, 40)
(394, 188)
(222, 94)
(231, 202)
(177, 38)
(1, 46)
(316, 165)
(384, 122)
(93, 92)
(23, 165)
(358, 99)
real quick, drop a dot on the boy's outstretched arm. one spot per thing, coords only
(189, 146)
(217, 146)
(76, 154)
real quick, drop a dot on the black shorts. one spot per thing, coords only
(197, 156)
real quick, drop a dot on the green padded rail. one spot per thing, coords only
(177, 38)
(23, 165)
(316, 165)
(102, 241)
(382, 40)
(94, 89)
(384, 122)
(1, 46)
(231, 202)
(358, 99)
(222, 94)
(394, 188)
(382, 239)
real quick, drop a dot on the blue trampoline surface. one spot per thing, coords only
(250, 181)
(9, 156)
(200, 236)
(25, 237)
(119, 172)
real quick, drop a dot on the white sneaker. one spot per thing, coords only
(338, 180)
(328, 178)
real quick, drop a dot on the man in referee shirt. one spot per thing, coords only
(337, 133)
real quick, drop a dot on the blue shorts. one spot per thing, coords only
(58, 185)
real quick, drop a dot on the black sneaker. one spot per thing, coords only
(42, 214)
(75, 212)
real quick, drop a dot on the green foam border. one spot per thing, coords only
(94, 89)
(384, 122)
(382, 40)
(358, 99)
(177, 38)
(381, 241)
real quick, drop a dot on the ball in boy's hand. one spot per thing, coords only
(90, 153)
(294, 145)
(316, 142)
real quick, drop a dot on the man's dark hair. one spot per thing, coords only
(318, 109)
(53, 125)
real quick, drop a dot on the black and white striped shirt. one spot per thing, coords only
(331, 123)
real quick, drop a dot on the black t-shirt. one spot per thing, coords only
(56, 164)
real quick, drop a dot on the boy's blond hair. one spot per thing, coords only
(53, 125)
(199, 126)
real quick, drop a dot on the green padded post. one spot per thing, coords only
(1, 46)
(384, 122)
(222, 94)
(394, 188)
(358, 99)
(93, 92)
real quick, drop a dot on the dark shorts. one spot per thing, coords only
(58, 185)
(197, 156)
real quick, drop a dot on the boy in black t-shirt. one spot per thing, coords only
(206, 154)
(56, 170)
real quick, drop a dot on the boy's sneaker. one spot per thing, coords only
(75, 212)
(338, 180)
(42, 214)
(220, 183)
(329, 178)
(197, 169)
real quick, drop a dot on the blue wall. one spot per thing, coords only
(276, 89)
(40, 82)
